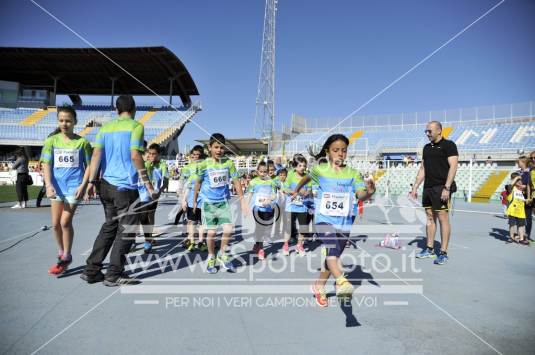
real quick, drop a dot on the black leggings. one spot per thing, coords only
(303, 218)
(22, 187)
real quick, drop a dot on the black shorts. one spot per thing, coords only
(193, 215)
(334, 241)
(431, 199)
(515, 221)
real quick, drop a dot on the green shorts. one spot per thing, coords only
(215, 214)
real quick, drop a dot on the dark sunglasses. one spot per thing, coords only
(427, 131)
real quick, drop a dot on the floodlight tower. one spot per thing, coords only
(265, 98)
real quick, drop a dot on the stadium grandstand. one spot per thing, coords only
(389, 147)
(501, 131)
(31, 79)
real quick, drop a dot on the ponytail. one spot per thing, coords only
(54, 132)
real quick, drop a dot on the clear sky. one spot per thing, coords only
(332, 56)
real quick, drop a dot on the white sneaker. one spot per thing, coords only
(23, 204)
(17, 206)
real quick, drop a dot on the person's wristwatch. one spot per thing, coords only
(446, 188)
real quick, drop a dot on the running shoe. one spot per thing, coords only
(300, 249)
(344, 288)
(60, 268)
(191, 246)
(285, 249)
(185, 243)
(120, 280)
(426, 254)
(524, 242)
(319, 295)
(53, 269)
(202, 246)
(210, 266)
(225, 262)
(147, 247)
(91, 279)
(441, 260)
(261, 254)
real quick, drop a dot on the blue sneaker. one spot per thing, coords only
(225, 262)
(147, 247)
(441, 260)
(424, 254)
(210, 267)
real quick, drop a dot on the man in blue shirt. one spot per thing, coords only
(117, 155)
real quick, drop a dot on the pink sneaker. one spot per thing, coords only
(285, 249)
(300, 249)
(60, 268)
(261, 254)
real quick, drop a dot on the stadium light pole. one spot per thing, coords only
(265, 99)
(113, 79)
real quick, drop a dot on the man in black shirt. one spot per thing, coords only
(439, 165)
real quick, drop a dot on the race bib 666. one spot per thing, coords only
(218, 178)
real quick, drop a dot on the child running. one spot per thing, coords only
(193, 216)
(65, 158)
(338, 186)
(263, 191)
(296, 210)
(212, 181)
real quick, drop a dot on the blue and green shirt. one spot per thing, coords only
(188, 173)
(336, 194)
(297, 204)
(157, 172)
(117, 139)
(68, 159)
(215, 177)
(264, 194)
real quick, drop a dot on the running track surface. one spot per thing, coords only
(479, 303)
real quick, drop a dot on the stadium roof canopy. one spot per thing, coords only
(242, 146)
(85, 71)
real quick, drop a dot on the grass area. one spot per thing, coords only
(8, 193)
